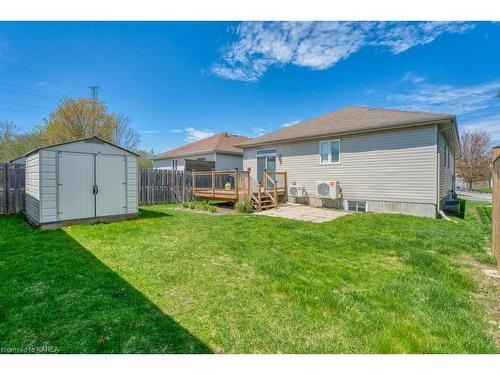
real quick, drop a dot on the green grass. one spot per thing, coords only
(174, 281)
(483, 190)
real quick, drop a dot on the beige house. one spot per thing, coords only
(219, 149)
(363, 159)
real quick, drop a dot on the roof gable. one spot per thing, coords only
(222, 142)
(80, 140)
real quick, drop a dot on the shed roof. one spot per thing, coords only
(222, 142)
(74, 141)
(349, 119)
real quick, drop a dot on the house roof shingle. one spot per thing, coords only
(222, 142)
(347, 120)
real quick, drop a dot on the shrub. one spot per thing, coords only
(199, 205)
(244, 207)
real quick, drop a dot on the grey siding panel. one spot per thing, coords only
(32, 209)
(48, 184)
(132, 175)
(397, 165)
(225, 162)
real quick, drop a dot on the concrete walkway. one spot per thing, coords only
(303, 213)
(475, 196)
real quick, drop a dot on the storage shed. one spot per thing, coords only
(84, 180)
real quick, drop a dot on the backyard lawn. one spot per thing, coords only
(173, 281)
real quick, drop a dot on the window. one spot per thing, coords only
(201, 159)
(174, 164)
(329, 152)
(356, 206)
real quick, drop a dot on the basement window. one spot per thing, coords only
(356, 206)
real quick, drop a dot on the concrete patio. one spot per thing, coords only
(303, 213)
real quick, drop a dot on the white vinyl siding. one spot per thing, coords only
(32, 209)
(132, 182)
(223, 162)
(226, 162)
(394, 166)
(167, 163)
(48, 186)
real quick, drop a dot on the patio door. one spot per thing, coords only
(266, 159)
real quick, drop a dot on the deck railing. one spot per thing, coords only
(238, 185)
(232, 184)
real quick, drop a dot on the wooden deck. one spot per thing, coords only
(229, 195)
(236, 185)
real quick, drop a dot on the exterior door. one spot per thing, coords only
(111, 185)
(266, 159)
(76, 183)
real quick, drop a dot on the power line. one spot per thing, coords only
(22, 105)
(27, 88)
(18, 110)
(28, 93)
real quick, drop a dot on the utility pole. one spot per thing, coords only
(94, 93)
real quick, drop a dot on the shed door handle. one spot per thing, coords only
(96, 189)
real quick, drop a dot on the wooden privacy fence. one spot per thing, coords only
(12, 188)
(164, 186)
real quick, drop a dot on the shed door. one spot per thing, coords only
(76, 183)
(111, 184)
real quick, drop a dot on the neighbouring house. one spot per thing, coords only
(217, 151)
(378, 160)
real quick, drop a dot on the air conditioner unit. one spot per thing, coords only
(296, 191)
(327, 189)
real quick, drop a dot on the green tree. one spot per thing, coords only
(83, 118)
(14, 144)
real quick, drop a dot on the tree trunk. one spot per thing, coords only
(470, 185)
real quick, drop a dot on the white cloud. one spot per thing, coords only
(176, 130)
(150, 131)
(193, 134)
(489, 123)
(290, 123)
(400, 36)
(447, 98)
(318, 45)
(413, 78)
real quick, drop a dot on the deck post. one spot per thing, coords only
(286, 187)
(213, 182)
(249, 193)
(264, 179)
(193, 180)
(275, 193)
(259, 197)
(236, 183)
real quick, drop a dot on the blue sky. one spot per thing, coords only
(180, 81)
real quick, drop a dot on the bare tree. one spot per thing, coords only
(8, 131)
(475, 163)
(124, 135)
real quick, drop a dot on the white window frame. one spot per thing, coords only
(330, 162)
